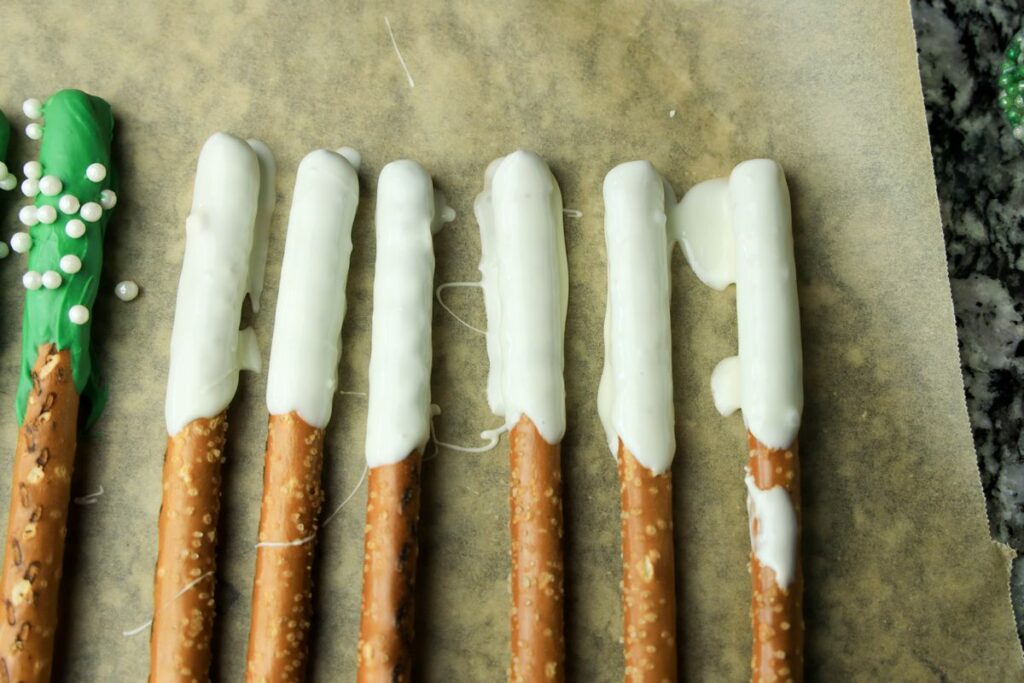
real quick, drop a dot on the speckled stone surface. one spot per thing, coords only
(979, 169)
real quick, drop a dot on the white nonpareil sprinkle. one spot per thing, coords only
(91, 211)
(70, 264)
(126, 290)
(69, 204)
(8, 182)
(46, 214)
(32, 108)
(30, 187)
(108, 199)
(32, 169)
(52, 279)
(96, 172)
(78, 314)
(75, 228)
(34, 131)
(28, 216)
(50, 185)
(21, 242)
(32, 280)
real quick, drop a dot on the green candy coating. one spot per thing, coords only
(77, 131)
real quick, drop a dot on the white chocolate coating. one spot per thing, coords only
(774, 543)
(525, 280)
(756, 223)
(635, 395)
(207, 348)
(408, 209)
(311, 299)
(264, 212)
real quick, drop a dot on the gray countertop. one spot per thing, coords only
(979, 170)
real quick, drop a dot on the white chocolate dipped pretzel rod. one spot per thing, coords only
(740, 231)
(409, 212)
(636, 408)
(207, 353)
(301, 384)
(525, 279)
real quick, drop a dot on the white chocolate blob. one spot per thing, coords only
(46, 214)
(108, 199)
(775, 537)
(78, 314)
(50, 185)
(635, 395)
(32, 280)
(311, 300)
(28, 215)
(398, 418)
(126, 290)
(91, 211)
(750, 216)
(96, 172)
(32, 108)
(525, 280)
(69, 204)
(21, 242)
(264, 212)
(74, 228)
(207, 348)
(70, 264)
(51, 279)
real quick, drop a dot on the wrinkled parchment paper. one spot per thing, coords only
(903, 581)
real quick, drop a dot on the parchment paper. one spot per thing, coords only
(903, 581)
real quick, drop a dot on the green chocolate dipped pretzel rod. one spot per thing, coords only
(71, 187)
(73, 196)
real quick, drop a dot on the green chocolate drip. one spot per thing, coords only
(77, 132)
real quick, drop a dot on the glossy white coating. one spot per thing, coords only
(525, 280)
(311, 298)
(207, 349)
(635, 394)
(408, 210)
(750, 216)
(773, 530)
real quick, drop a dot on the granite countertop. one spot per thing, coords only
(979, 170)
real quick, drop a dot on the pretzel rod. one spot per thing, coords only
(409, 211)
(282, 607)
(525, 282)
(538, 592)
(740, 230)
(37, 521)
(636, 408)
(183, 609)
(389, 572)
(648, 572)
(207, 353)
(773, 485)
(71, 188)
(300, 391)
